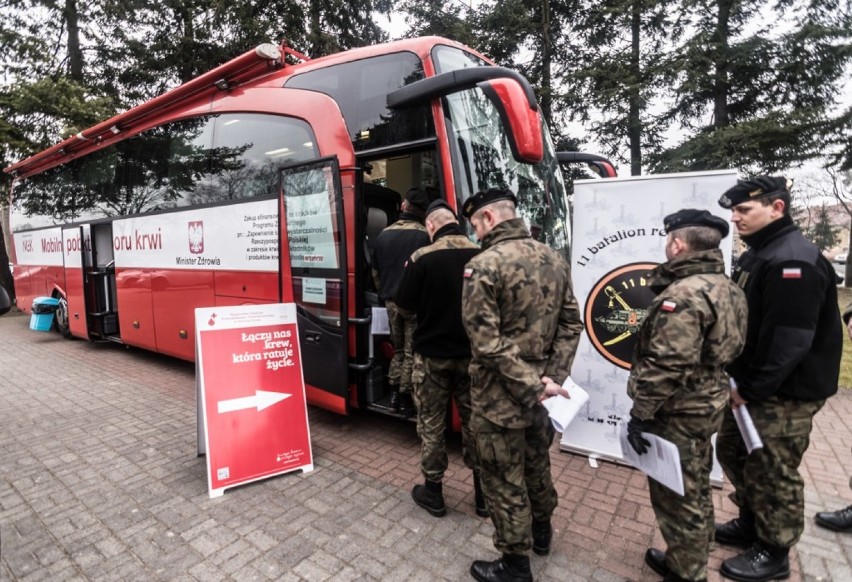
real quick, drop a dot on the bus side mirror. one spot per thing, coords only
(508, 90)
(597, 164)
(522, 122)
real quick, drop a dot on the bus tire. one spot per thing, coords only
(60, 318)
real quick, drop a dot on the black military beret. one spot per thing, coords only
(417, 198)
(754, 188)
(480, 199)
(438, 205)
(695, 217)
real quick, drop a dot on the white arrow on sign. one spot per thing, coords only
(261, 399)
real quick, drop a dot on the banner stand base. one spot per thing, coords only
(564, 448)
(715, 480)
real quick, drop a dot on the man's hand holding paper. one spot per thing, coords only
(561, 408)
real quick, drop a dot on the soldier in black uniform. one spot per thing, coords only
(393, 247)
(789, 366)
(432, 288)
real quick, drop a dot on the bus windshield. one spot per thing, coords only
(482, 157)
(361, 88)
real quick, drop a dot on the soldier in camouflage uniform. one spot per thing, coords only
(431, 287)
(520, 313)
(694, 328)
(789, 366)
(840, 520)
(392, 248)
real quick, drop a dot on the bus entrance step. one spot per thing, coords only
(108, 339)
(383, 406)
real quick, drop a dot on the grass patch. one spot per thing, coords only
(844, 296)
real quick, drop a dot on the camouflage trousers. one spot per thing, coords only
(687, 523)
(767, 482)
(402, 335)
(436, 383)
(514, 466)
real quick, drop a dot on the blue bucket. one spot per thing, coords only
(43, 310)
(41, 321)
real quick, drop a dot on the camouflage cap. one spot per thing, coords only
(755, 188)
(695, 217)
(438, 205)
(480, 199)
(417, 198)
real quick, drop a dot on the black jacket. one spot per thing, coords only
(432, 287)
(393, 247)
(794, 339)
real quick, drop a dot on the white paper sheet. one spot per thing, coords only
(379, 323)
(661, 462)
(750, 436)
(741, 415)
(563, 410)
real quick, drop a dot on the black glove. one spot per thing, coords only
(635, 428)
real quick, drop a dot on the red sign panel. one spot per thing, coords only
(252, 393)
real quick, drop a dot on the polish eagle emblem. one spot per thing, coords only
(196, 237)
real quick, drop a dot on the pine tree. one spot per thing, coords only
(768, 94)
(823, 234)
(452, 20)
(623, 74)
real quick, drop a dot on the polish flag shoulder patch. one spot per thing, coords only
(668, 306)
(791, 273)
(468, 273)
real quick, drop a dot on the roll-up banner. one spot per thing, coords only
(618, 236)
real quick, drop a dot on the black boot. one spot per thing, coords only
(406, 404)
(542, 533)
(478, 497)
(393, 404)
(430, 497)
(509, 568)
(759, 563)
(840, 520)
(656, 559)
(739, 531)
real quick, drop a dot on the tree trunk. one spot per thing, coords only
(6, 280)
(315, 33)
(75, 54)
(546, 57)
(720, 74)
(847, 270)
(183, 19)
(634, 119)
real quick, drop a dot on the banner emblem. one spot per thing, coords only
(615, 309)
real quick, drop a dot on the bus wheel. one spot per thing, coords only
(60, 318)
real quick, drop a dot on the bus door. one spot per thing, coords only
(99, 281)
(71, 312)
(384, 179)
(313, 276)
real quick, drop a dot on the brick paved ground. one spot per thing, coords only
(99, 480)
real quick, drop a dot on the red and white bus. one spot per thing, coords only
(266, 180)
